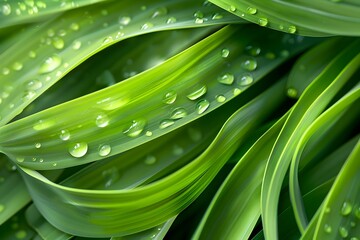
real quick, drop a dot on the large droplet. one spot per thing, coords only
(170, 97)
(343, 232)
(64, 135)
(178, 113)
(38, 145)
(104, 150)
(166, 123)
(220, 98)
(202, 105)
(171, 20)
(245, 80)
(346, 209)
(102, 120)
(197, 93)
(34, 85)
(292, 29)
(50, 64)
(78, 149)
(58, 43)
(226, 79)
(76, 45)
(249, 64)
(136, 127)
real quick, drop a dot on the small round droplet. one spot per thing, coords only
(5, 71)
(17, 66)
(166, 123)
(147, 25)
(125, 20)
(108, 40)
(136, 127)
(64, 135)
(148, 133)
(50, 64)
(263, 22)
(226, 79)
(251, 10)
(202, 106)
(171, 20)
(21, 234)
(343, 232)
(249, 64)
(170, 97)
(34, 85)
(20, 159)
(6, 9)
(37, 145)
(78, 149)
(102, 120)
(292, 29)
(220, 98)
(2, 208)
(327, 228)
(197, 93)
(43, 124)
(32, 54)
(162, 11)
(292, 92)
(232, 8)
(150, 160)
(253, 51)
(236, 91)
(74, 26)
(178, 113)
(217, 16)
(76, 45)
(357, 212)
(104, 150)
(245, 80)
(225, 52)
(58, 43)
(346, 209)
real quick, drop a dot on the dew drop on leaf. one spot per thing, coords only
(178, 113)
(17, 66)
(343, 232)
(217, 16)
(292, 92)
(32, 54)
(245, 80)
(220, 98)
(171, 20)
(197, 93)
(226, 79)
(166, 123)
(225, 52)
(148, 133)
(6, 9)
(43, 124)
(263, 22)
(2, 208)
(147, 25)
(37, 145)
(346, 209)
(170, 97)
(78, 149)
(64, 135)
(50, 64)
(292, 29)
(251, 10)
(125, 20)
(162, 11)
(58, 43)
(136, 127)
(74, 26)
(104, 150)
(102, 120)
(202, 105)
(34, 85)
(249, 64)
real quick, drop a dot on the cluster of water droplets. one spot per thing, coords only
(26, 7)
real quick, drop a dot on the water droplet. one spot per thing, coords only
(74, 26)
(226, 79)
(177, 150)
(249, 64)
(54, 164)
(61, 33)
(236, 91)
(34, 85)
(102, 120)
(263, 22)
(76, 45)
(17, 66)
(109, 104)
(357, 212)
(50, 64)
(251, 10)
(178, 113)
(21, 234)
(20, 159)
(32, 54)
(150, 159)
(202, 105)
(170, 97)
(354, 238)
(232, 8)
(166, 123)
(352, 224)
(171, 20)
(147, 25)
(346, 209)
(5, 71)
(2, 208)
(327, 228)
(199, 20)
(343, 232)
(220, 98)
(225, 52)
(292, 92)
(78, 149)
(245, 80)
(162, 11)
(292, 29)
(136, 127)
(41, 160)
(6, 9)
(42, 124)
(37, 145)
(58, 43)
(253, 51)
(104, 150)
(108, 40)
(197, 93)
(64, 135)
(148, 133)
(217, 16)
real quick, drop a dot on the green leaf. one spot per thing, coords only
(310, 105)
(312, 18)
